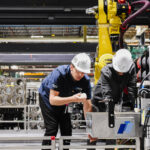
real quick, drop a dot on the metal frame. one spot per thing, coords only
(59, 141)
(61, 146)
(28, 147)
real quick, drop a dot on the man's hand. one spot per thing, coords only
(92, 139)
(79, 97)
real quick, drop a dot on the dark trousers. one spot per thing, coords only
(53, 121)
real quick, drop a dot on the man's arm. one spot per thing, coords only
(132, 92)
(56, 100)
(87, 107)
(102, 91)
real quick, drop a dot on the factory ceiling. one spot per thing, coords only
(55, 12)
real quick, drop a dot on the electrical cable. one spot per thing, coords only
(143, 80)
(130, 18)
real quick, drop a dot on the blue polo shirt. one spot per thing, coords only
(60, 79)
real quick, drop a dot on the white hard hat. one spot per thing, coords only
(82, 62)
(122, 60)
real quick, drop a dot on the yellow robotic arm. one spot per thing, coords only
(109, 15)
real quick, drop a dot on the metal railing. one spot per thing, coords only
(29, 143)
(76, 142)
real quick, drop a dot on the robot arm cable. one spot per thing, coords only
(130, 18)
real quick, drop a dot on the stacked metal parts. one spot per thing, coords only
(18, 111)
(12, 103)
(12, 91)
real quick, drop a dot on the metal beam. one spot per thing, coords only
(25, 59)
(44, 47)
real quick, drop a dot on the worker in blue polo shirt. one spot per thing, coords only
(66, 84)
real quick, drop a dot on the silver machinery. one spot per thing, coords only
(12, 91)
(144, 106)
(126, 125)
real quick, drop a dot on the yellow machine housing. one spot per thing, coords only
(108, 26)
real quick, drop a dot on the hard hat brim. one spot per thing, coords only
(81, 70)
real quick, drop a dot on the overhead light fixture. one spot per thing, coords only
(51, 18)
(33, 36)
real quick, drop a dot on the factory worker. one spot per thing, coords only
(64, 85)
(117, 82)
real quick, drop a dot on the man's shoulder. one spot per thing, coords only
(107, 69)
(58, 72)
(63, 69)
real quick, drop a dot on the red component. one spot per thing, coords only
(52, 138)
(139, 76)
(129, 9)
(121, 1)
(139, 63)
